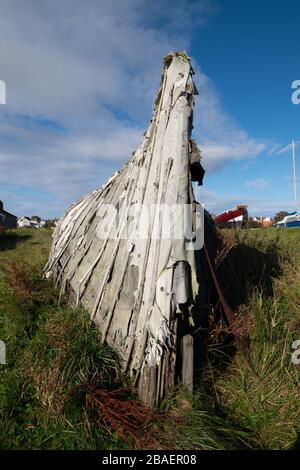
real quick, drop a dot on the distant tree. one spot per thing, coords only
(36, 217)
(50, 223)
(280, 215)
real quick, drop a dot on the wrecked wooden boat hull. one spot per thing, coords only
(140, 289)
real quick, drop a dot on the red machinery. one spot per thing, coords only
(231, 214)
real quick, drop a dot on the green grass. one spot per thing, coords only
(261, 390)
(56, 361)
(54, 355)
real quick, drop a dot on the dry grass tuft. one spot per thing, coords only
(130, 419)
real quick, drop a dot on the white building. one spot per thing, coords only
(30, 222)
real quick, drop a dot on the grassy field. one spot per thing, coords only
(261, 390)
(62, 389)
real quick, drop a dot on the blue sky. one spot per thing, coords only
(81, 77)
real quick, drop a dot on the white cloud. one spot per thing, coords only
(273, 149)
(217, 203)
(259, 183)
(67, 167)
(70, 57)
(221, 139)
(239, 147)
(81, 77)
(287, 148)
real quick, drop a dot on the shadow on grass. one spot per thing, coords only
(240, 271)
(9, 240)
(246, 269)
(296, 445)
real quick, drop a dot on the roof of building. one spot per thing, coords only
(2, 211)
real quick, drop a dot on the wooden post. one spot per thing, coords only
(187, 347)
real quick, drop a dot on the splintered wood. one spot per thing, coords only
(138, 289)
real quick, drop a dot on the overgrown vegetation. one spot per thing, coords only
(62, 389)
(261, 389)
(54, 355)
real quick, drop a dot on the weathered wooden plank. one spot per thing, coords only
(187, 351)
